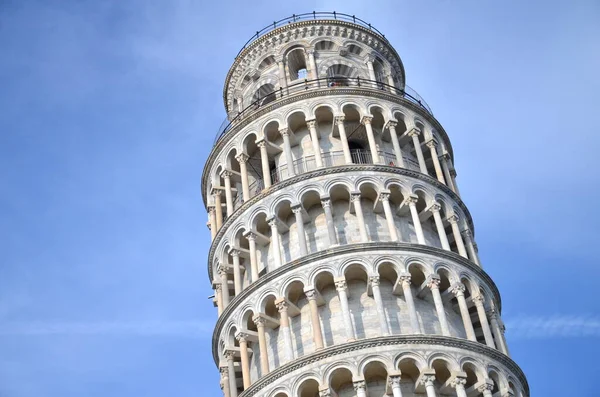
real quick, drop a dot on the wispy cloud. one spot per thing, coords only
(554, 326)
(184, 329)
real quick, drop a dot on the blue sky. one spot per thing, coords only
(107, 113)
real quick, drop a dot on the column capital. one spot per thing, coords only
(229, 355)
(467, 234)
(226, 174)
(391, 124)
(405, 278)
(325, 392)
(234, 252)
(458, 381)
(366, 120)
(427, 380)
(297, 208)
(444, 156)
(478, 300)
(222, 270)
(279, 58)
(284, 131)
(325, 201)
(487, 385)
(282, 305)
(218, 287)
(250, 235)
(242, 336)
(242, 158)
(311, 123)
(432, 143)
(374, 280)
(435, 207)
(384, 196)
(310, 51)
(311, 294)
(261, 143)
(340, 284)
(414, 132)
(211, 209)
(355, 196)
(492, 314)
(394, 380)
(258, 320)
(215, 193)
(224, 372)
(458, 289)
(272, 221)
(453, 218)
(433, 281)
(359, 385)
(340, 119)
(370, 57)
(411, 199)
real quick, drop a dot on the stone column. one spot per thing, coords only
(497, 331)
(225, 381)
(434, 285)
(468, 236)
(369, 62)
(427, 381)
(360, 388)
(408, 296)
(436, 162)
(324, 392)
(459, 291)
(458, 383)
(242, 159)
(326, 204)
(275, 246)
(224, 286)
(394, 383)
(218, 209)
(313, 64)
(245, 359)
(230, 355)
(237, 274)
(486, 388)
(219, 295)
(287, 148)
(391, 83)
(262, 344)
(412, 205)
(311, 295)
(300, 230)
(439, 225)
(453, 219)
(253, 261)
(212, 214)
(314, 137)
(383, 325)
(453, 176)
(444, 162)
(414, 134)
(355, 198)
(339, 121)
(485, 326)
(284, 327)
(228, 197)
(282, 75)
(391, 125)
(384, 197)
(366, 120)
(341, 287)
(264, 162)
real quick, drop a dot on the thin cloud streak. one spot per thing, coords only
(183, 329)
(555, 326)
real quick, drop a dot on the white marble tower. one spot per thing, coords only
(343, 258)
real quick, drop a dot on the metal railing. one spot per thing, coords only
(308, 17)
(323, 83)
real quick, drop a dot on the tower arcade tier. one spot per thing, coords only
(343, 258)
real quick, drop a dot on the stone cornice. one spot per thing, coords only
(315, 93)
(341, 250)
(369, 37)
(396, 340)
(330, 171)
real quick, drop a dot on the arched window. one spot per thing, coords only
(340, 75)
(354, 49)
(265, 94)
(296, 61)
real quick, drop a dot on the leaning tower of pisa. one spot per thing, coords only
(343, 257)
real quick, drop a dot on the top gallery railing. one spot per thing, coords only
(326, 82)
(307, 17)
